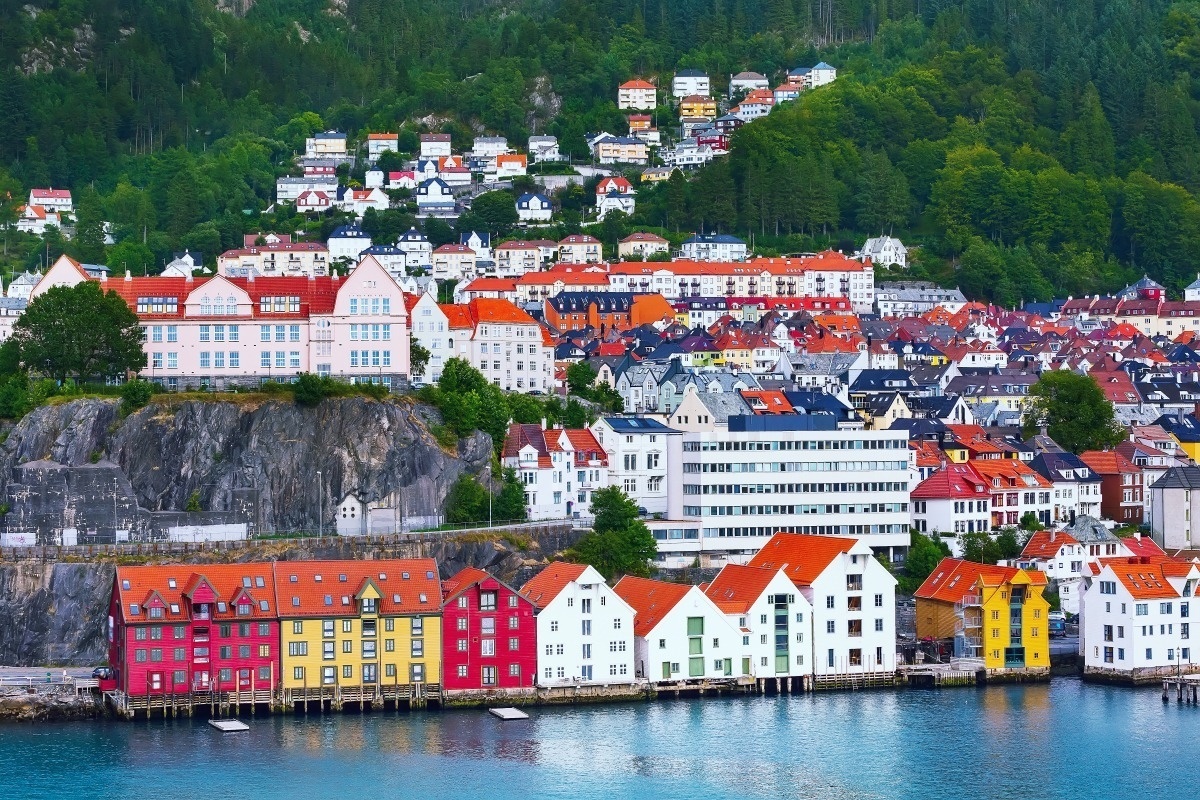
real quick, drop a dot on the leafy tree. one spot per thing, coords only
(1074, 410)
(79, 332)
(309, 389)
(497, 211)
(466, 501)
(89, 227)
(525, 409)
(1008, 543)
(924, 553)
(459, 377)
(1030, 522)
(129, 255)
(581, 377)
(619, 542)
(979, 547)
(509, 505)
(493, 414)
(418, 358)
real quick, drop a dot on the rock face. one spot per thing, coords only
(271, 465)
(55, 613)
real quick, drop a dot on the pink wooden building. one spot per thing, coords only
(489, 635)
(182, 629)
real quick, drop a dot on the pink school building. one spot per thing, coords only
(218, 332)
(489, 635)
(194, 628)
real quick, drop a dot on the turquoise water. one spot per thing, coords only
(1063, 740)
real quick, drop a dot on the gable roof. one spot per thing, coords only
(737, 587)
(651, 600)
(542, 588)
(329, 588)
(1046, 544)
(802, 557)
(953, 578)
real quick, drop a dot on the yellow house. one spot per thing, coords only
(697, 105)
(359, 630)
(997, 614)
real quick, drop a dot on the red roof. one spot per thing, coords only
(329, 588)
(951, 481)
(51, 194)
(1143, 546)
(1046, 544)
(490, 309)
(542, 588)
(579, 238)
(953, 578)
(460, 249)
(737, 587)
(803, 557)
(151, 586)
(637, 83)
(1109, 462)
(651, 600)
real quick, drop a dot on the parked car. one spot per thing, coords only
(1058, 623)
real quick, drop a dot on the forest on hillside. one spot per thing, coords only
(1031, 148)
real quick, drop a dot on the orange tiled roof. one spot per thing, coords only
(1108, 462)
(651, 600)
(952, 578)
(737, 587)
(801, 556)
(542, 588)
(489, 309)
(1046, 544)
(329, 588)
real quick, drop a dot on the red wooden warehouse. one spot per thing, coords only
(489, 637)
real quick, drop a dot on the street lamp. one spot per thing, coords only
(489, 493)
(320, 506)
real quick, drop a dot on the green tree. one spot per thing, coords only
(497, 210)
(509, 504)
(88, 245)
(619, 542)
(525, 409)
(459, 377)
(418, 358)
(924, 553)
(979, 547)
(466, 501)
(130, 255)
(493, 414)
(79, 332)
(1008, 543)
(581, 377)
(1074, 410)
(1030, 522)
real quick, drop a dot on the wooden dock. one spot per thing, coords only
(229, 725)
(508, 713)
(1186, 688)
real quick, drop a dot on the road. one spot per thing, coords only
(40, 672)
(1064, 646)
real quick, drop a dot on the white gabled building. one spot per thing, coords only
(430, 327)
(1135, 620)
(1060, 556)
(560, 468)
(853, 599)
(688, 82)
(585, 629)
(714, 247)
(884, 251)
(680, 636)
(774, 619)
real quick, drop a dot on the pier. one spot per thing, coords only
(1185, 687)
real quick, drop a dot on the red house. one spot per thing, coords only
(194, 628)
(489, 636)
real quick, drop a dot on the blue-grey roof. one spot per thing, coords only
(524, 200)
(691, 73)
(329, 135)
(637, 425)
(351, 231)
(712, 238)
(823, 65)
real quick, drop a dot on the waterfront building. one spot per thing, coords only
(489, 635)
(585, 629)
(736, 487)
(680, 635)
(773, 616)
(997, 614)
(359, 630)
(1060, 556)
(178, 630)
(1135, 619)
(853, 600)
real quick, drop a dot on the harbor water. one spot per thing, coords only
(1065, 739)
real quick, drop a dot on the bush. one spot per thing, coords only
(309, 389)
(136, 394)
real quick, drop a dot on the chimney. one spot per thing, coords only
(128, 277)
(1138, 534)
(1053, 536)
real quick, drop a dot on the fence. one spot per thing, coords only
(168, 548)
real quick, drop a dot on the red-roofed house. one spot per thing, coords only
(222, 331)
(1121, 486)
(953, 500)
(489, 637)
(174, 630)
(680, 635)
(560, 469)
(998, 614)
(56, 200)
(638, 95)
(853, 600)
(774, 618)
(1135, 620)
(507, 347)
(584, 628)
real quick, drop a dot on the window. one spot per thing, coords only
(487, 647)
(830, 627)
(487, 601)
(829, 601)
(418, 648)
(348, 671)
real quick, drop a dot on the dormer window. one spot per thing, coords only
(369, 605)
(156, 613)
(244, 608)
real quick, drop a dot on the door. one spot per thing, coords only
(156, 681)
(729, 666)
(745, 666)
(666, 670)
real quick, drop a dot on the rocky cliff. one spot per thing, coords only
(270, 464)
(54, 613)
